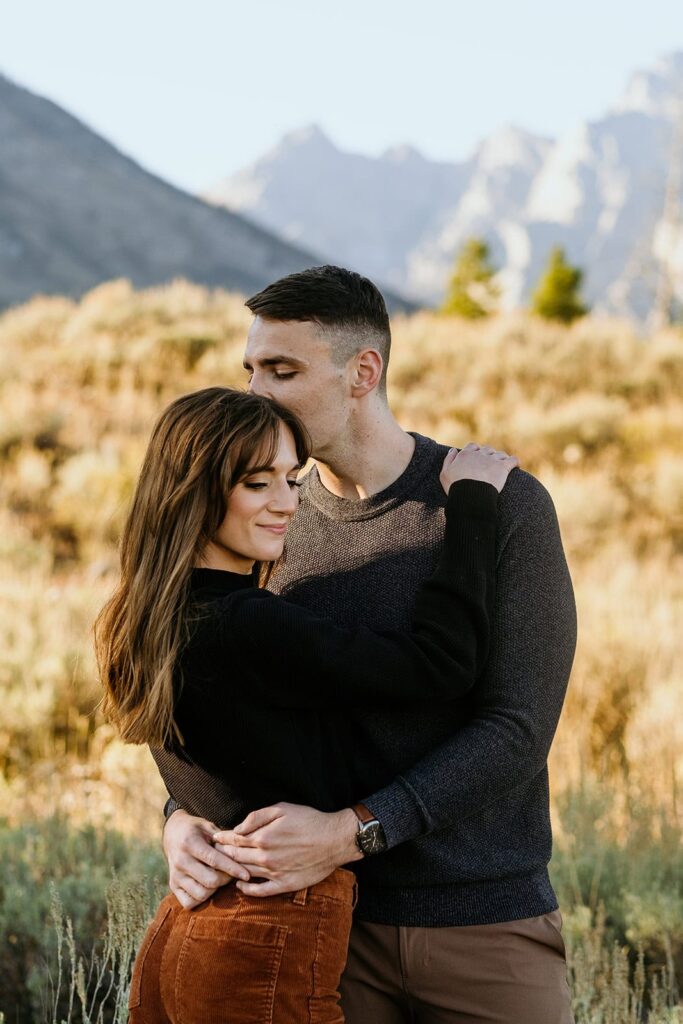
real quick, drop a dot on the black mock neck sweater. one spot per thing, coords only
(265, 685)
(466, 811)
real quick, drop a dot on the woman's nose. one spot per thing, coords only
(286, 501)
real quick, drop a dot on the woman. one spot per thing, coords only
(253, 688)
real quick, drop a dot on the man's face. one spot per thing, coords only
(291, 362)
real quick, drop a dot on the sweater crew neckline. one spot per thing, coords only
(220, 581)
(408, 483)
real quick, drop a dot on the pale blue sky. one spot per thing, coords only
(195, 90)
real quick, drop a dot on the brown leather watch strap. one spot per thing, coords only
(362, 813)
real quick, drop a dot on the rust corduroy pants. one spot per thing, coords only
(245, 960)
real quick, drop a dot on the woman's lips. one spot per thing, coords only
(279, 529)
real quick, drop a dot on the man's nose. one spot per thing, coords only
(257, 386)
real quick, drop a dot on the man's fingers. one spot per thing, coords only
(187, 889)
(234, 852)
(271, 888)
(184, 898)
(186, 901)
(253, 862)
(221, 869)
(228, 840)
(257, 819)
(201, 859)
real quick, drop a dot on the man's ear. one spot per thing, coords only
(366, 371)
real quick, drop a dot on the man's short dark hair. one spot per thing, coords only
(348, 308)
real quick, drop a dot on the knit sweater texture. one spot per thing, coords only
(465, 811)
(265, 686)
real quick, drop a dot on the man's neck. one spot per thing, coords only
(369, 461)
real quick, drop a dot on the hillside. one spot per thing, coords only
(74, 212)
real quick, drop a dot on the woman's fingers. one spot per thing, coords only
(477, 462)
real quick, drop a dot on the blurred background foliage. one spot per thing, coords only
(593, 410)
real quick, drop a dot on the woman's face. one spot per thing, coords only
(259, 510)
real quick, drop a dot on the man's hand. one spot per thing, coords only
(289, 846)
(196, 867)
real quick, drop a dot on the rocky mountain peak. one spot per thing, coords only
(658, 91)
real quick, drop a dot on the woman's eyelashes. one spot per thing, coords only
(257, 485)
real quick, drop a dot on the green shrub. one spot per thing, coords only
(50, 871)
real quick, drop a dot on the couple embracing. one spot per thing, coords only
(350, 683)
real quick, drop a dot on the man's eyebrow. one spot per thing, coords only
(275, 361)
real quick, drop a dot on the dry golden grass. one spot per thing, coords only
(594, 411)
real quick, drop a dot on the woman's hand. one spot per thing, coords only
(477, 462)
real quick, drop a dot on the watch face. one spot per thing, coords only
(371, 838)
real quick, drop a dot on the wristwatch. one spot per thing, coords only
(370, 837)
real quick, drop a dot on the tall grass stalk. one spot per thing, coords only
(92, 988)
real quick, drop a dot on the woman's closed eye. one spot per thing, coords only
(256, 485)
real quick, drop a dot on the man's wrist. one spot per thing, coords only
(170, 807)
(370, 837)
(347, 828)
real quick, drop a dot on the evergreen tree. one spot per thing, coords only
(557, 293)
(472, 292)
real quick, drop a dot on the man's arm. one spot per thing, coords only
(196, 867)
(518, 703)
(519, 699)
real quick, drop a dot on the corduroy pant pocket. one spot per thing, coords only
(240, 959)
(227, 971)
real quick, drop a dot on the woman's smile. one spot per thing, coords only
(278, 528)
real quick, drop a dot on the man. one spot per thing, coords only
(456, 920)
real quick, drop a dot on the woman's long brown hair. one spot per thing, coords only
(201, 446)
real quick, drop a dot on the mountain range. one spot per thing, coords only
(599, 191)
(74, 211)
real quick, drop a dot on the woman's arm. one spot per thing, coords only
(302, 660)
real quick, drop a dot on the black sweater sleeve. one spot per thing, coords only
(302, 660)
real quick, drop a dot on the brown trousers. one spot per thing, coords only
(512, 973)
(244, 960)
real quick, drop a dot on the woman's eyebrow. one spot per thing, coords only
(296, 468)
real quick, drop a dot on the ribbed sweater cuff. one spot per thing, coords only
(472, 515)
(400, 812)
(474, 498)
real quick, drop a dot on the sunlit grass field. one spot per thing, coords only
(594, 411)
